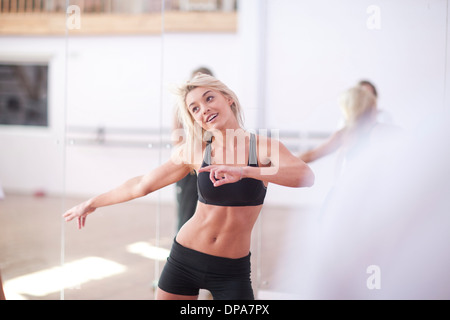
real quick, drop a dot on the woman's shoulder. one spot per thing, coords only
(190, 155)
(386, 129)
(383, 131)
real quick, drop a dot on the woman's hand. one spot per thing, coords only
(80, 211)
(137, 187)
(220, 174)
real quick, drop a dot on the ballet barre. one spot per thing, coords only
(161, 138)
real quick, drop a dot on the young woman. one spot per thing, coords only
(187, 187)
(359, 107)
(234, 167)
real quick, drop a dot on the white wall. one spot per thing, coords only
(32, 158)
(313, 51)
(326, 46)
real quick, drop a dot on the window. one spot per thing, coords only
(23, 94)
(112, 17)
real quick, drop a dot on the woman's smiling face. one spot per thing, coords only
(210, 109)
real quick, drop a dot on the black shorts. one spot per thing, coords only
(186, 271)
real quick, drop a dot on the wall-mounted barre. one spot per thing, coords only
(160, 138)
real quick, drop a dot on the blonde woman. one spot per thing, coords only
(234, 167)
(359, 107)
(186, 188)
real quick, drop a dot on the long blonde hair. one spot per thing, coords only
(194, 134)
(358, 105)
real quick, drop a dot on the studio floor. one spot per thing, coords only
(120, 253)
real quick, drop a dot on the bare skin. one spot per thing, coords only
(214, 230)
(346, 138)
(2, 294)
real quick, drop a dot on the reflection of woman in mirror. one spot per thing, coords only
(212, 250)
(382, 115)
(359, 106)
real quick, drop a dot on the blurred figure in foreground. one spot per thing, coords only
(359, 107)
(2, 194)
(382, 115)
(386, 233)
(361, 132)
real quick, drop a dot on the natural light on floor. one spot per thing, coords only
(70, 275)
(148, 251)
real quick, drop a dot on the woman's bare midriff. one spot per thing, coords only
(220, 231)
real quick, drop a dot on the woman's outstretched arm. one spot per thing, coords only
(137, 187)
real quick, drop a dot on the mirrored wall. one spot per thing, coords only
(86, 103)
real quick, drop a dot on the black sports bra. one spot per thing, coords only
(245, 192)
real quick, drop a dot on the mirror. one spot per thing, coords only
(114, 133)
(120, 115)
(32, 108)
